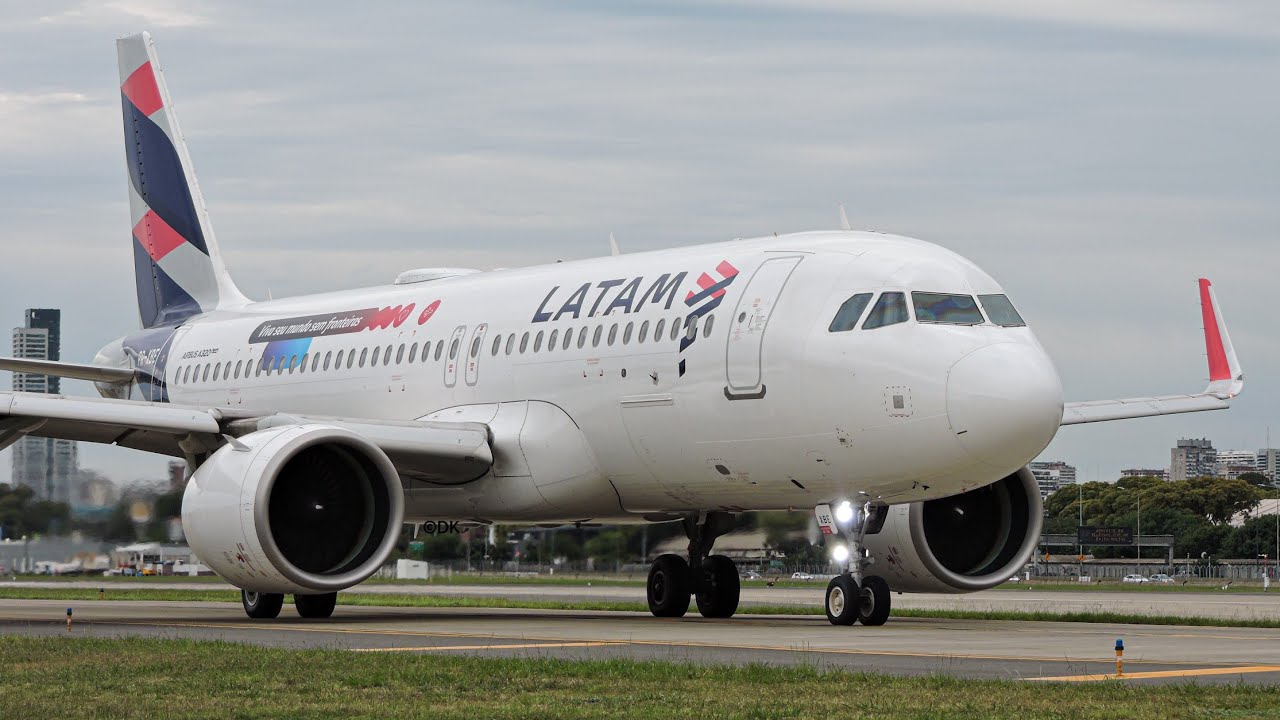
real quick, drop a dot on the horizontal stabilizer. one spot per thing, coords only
(95, 373)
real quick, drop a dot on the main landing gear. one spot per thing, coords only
(851, 596)
(711, 580)
(264, 606)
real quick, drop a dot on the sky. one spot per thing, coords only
(1094, 157)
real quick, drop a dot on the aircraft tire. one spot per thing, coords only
(842, 600)
(261, 606)
(668, 586)
(315, 606)
(720, 588)
(873, 601)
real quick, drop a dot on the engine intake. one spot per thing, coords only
(963, 543)
(299, 508)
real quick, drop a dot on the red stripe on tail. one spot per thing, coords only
(1219, 368)
(142, 91)
(157, 238)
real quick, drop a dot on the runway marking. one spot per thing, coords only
(428, 648)
(662, 643)
(1162, 674)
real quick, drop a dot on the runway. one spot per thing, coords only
(1207, 604)
(1030, 651)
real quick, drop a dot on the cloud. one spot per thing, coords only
(147, 13)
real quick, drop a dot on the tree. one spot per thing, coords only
(22, 514)
(609, 546)
(1256, 537)
(1256, 479)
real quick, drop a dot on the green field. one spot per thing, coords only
(439, 601)
(148, 678)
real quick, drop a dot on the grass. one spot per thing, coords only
(439, 601)
(147, 678)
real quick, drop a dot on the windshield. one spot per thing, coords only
(890, 309)
(946, 309)
(1001, 311)
(847, 316)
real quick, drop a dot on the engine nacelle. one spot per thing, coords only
(964, 543)
(294, 509)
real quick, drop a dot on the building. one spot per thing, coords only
(1161, 473)
(1233, 463)
(48, 466)
(1266, 461)
(1052, 475)
(1192, 459)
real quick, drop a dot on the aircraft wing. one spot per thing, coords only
(1226, 379)
(429, 450)
(95, 373)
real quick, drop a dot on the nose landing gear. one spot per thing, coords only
(852, 597)
(711, 579)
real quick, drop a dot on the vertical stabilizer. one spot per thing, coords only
(177, 265)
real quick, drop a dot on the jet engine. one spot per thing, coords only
(294, 509)
(963, 543)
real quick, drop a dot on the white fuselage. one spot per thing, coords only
(764, 409)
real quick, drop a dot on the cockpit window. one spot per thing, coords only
(946, 309)
(1000, 310)
(847, 316)
(890, 309)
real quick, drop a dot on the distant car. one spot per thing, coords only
(751, 575)
(1135, 579)
(801, 576)
(1161, 578)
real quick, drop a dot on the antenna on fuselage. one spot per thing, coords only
(613, 246)
(844, 219)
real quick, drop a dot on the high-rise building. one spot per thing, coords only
(1052, 475)
(1192, 459)
(46, 465)
(1233, 463)
(1266, 460)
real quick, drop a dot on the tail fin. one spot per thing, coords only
(177, 265)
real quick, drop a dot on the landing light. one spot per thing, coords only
(840, 553)
(844, 512)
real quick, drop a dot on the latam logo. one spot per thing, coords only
(708, 298)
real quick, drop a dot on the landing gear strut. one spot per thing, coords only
(852, 597)
(711, 579)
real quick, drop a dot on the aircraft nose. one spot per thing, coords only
(1005, 403)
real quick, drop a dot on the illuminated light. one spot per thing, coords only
(840, 553)
(844, 512)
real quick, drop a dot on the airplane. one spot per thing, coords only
(885, 383)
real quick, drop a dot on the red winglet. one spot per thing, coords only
(1219, 368)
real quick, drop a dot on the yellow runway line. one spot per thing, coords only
(428, 648)
(1163, 674)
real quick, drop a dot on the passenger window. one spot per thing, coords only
(293, 363)
(537, 342)
(315, 362)
(613, 333)
(497, 344)
(595, 336)
(284, 359)
(657, 329)
(413, 352)
(257, 372)
(524, 342)
(551, 341)
(226, 371)
(1000, 310)
(386, 355)
(400, 354)
(706, 327)
(626, 333)
(351, 358)
(364, 353)
(475, 346)
(675, 328)
(644, 332)
(302, 367)
(239, 365)
(338, 365)
(439, 349)
(373, 359)
(691, 329)
(849, 313)
(328, 356)
(216, 370)
(453, 349)
(582, 337)
(205, 376)
(946, 309)
(186, 375)
(890, 309)
(568, 338)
